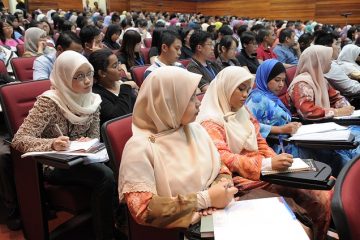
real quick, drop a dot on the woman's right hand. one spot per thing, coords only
(61, 143)
(221, 194)
(344, 111)
(281, 162)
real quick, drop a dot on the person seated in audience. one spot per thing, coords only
(49, 33)
(336, 76)
(226, 52)
(112, 34)
(313, 98)
(18, 29)
(223, 31)
(349, 60)
(170, 51)
(71, 107)
(299, 30)
(247, 56)
(287, 51)
(141, 26)
(117, 97)
(265, 39)
(170, 170)
(91, 39)
(43, 64)
(35, 43)
(7, 37)
(236, 134)
(155, 44)
(186, 52)
(129, 54)
(203, 52)
(305, 41)
(310, 93)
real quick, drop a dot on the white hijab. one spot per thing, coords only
(215, 106)
(347, 58)
(163, 157)
(76, 107)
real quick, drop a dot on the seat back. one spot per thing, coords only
(137, 74)
(185, 62)
(116, 133)
(3, 69)
(23, 68)
(18, 98)
(345, 203)
(147, 42)
(20, 48)
(145, 54)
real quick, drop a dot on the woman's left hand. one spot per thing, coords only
(83, 139)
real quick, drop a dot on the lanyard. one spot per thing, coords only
(210, 71)
(139, 62)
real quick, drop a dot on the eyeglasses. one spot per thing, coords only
(81, 77)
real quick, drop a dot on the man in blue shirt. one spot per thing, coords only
(43, 65)
(287, 51)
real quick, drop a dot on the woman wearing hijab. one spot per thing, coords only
(35, 42)
(349, 59)
(112, 34)
(265, 105)
(313, 98)
(310, 93)
(169, 165)
(245, 152)
(72, 107)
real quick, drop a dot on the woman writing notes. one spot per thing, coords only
(244, 151)
(170, 164)
(75, 109)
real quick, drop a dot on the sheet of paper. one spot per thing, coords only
(266, 218)
(76, 145)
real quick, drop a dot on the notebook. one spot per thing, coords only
(318, 128)
(207, 227)
(298, 165)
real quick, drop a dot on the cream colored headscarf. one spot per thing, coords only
(75, 107)
(215, 106)
(347, 58)
(163, 157)
(311, 68)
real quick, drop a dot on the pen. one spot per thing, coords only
(281, 144)
(58, 129)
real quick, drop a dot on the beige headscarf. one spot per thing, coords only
(32, 37)
(215, 106)
(311, 68)
(163, 157)
(75, 107)
(347, 59)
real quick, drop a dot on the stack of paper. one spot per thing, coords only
(266, 218)
(322, 132)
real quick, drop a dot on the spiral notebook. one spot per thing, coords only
(298, 165)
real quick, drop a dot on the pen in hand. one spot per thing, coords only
(60, 143)
(281, 141)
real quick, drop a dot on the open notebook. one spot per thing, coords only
(264, 218)
(298, 165)
(76, 148)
